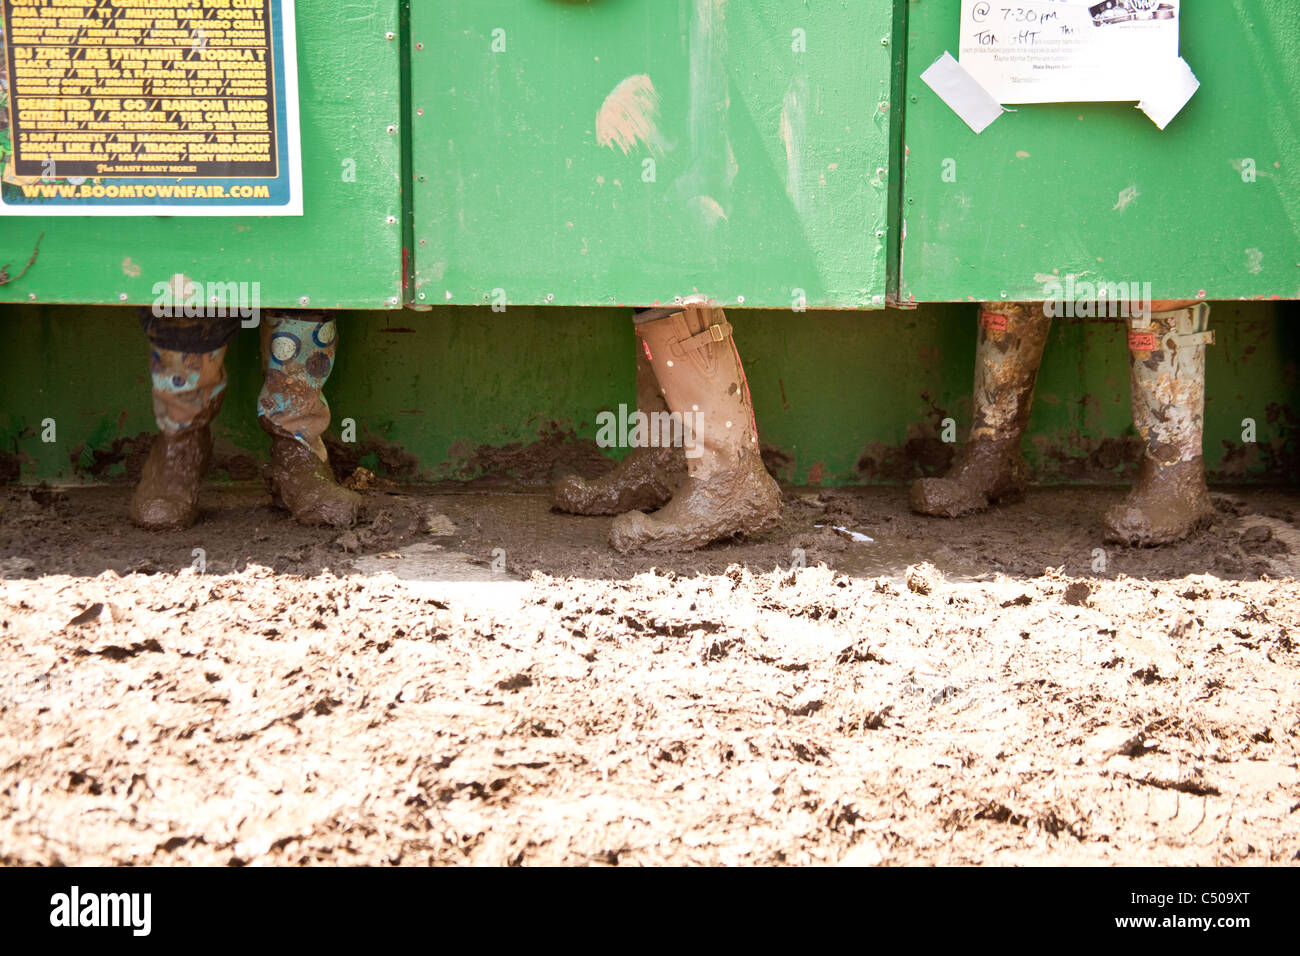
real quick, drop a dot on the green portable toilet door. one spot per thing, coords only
(345, 250)
(1210, 207)
(636, 151)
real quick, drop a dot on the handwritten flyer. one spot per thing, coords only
(1063, 51)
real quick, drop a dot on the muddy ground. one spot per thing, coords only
(468, 677)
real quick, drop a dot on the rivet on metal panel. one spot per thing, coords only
(390, 36)
(550, 297)
(740, 300)
(884, 41)
(122, 297)
(421, 296)
(394, 301)
(424, 242)
(304, 301)
(392, 129)
(392, 220)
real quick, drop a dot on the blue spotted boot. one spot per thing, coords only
(298, 351)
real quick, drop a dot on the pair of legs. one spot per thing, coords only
(687, 366)
(1167, 379)
(187, 367)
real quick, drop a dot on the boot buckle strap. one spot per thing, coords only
(1147, 341)
(1197, 317)
(1190, 340)
(718, 332)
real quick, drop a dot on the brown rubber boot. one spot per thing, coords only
(642, 481)
(1167, 376)
(188, 388)
(304, 486)
(989, 469)
(728, 492)
(298, 355)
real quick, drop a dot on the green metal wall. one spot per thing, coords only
(775, 129)
(1097, 190)
(634, 151)
(840, 397)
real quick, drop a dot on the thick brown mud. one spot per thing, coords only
(475, 678)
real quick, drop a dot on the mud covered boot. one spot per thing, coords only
(1167, 374)
(304, 486)
(298, 355)
(645, 479)
(989, 469)
(188, 388)
(727, 492)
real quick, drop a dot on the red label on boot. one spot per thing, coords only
(1142, 341)
(994, 321)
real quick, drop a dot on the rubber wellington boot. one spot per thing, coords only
(188, 388)
(646, 478)
(989, 469)
(298, 355)
(727, 491)
(1167, 376)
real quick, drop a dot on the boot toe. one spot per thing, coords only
(1126, 525)
(1131, 525)
(701, 515)
(569, 494)
(305, 486)
(630, 532)
(637, 531)
(337, 509)
(643, 481)
(942, 498)
(163, 514)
